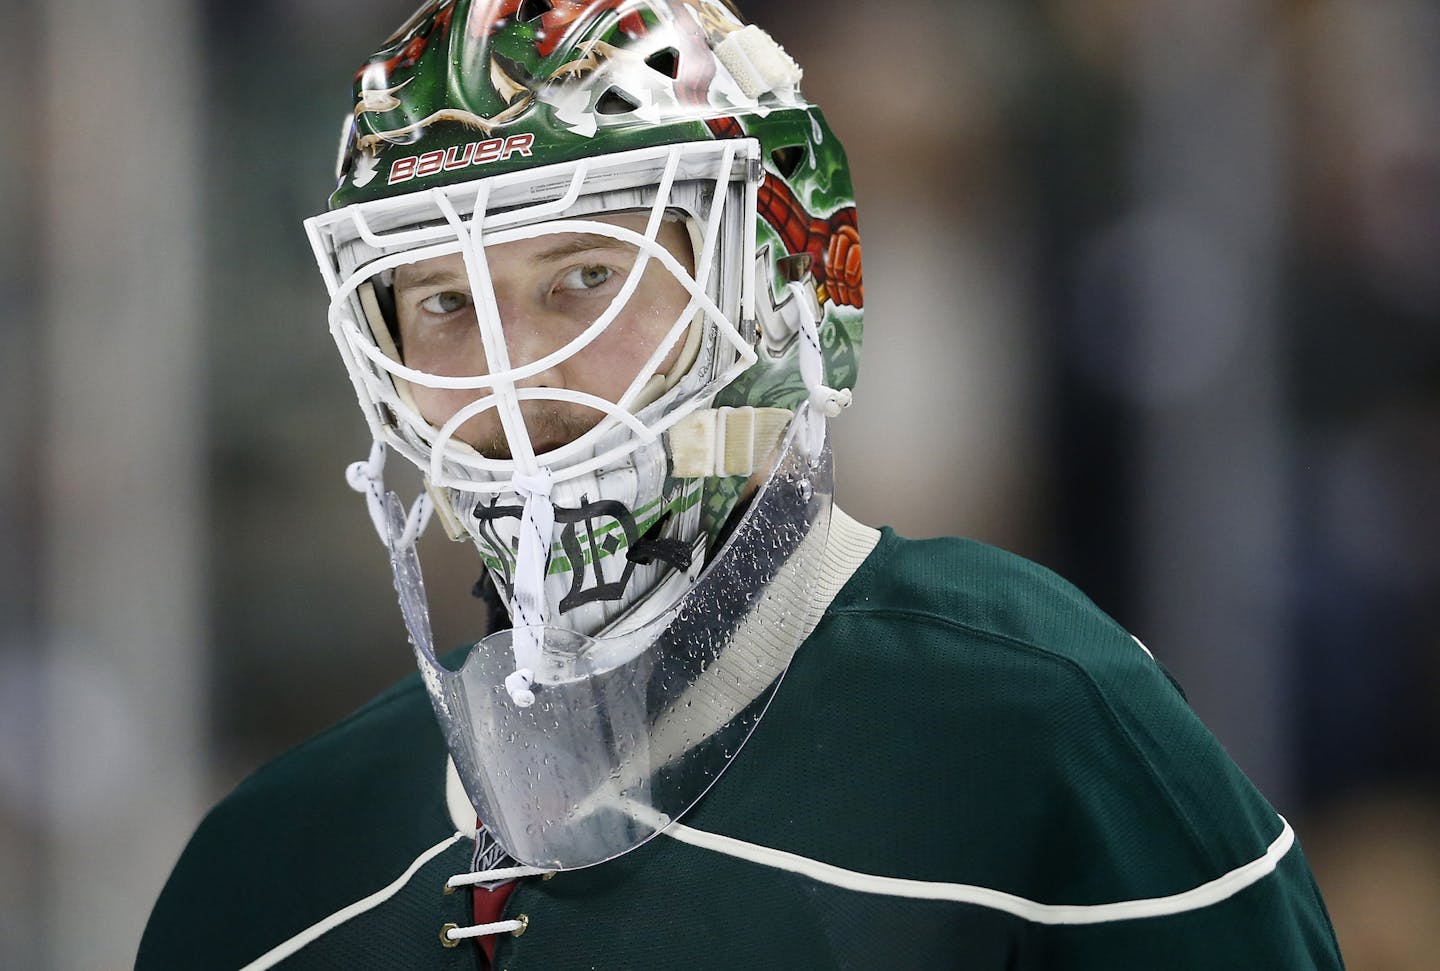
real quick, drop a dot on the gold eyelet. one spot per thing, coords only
(524, 924)
(445, 937)
(548, 876)
(448, 889)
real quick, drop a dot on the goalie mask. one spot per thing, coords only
(593, 270)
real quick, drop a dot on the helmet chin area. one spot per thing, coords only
(628, 729)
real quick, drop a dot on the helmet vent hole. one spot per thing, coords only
(667, 62)
(616, 102)
(533, 10)
(788, 159)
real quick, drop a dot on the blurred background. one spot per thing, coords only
(1153, 297)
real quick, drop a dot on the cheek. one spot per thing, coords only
(452, 351)
(446, 356)
(437, 405)
(646, 321)
(609, 365)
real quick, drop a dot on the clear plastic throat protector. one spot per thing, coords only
(627, 731)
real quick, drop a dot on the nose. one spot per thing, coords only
(527, 340)
(530, 337)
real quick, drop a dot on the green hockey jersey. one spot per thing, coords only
(968, 765)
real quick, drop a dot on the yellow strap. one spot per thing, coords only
(726, 441)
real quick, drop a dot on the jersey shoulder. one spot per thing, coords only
(1007, 640)
(988, 593)
(330, 820)
(1016, 677)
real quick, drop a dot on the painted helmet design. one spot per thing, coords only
(615, 156)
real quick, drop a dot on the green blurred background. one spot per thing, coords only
(1152, 297)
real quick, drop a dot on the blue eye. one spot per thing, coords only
(445, 302)
(586, 277)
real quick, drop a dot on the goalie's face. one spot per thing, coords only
(547, 291)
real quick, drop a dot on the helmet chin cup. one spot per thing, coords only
(628, 731)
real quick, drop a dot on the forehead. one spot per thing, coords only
(542, 251)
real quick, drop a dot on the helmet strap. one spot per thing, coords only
(537, 529)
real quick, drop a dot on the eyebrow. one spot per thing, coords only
(581, 243)
(408, 278)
